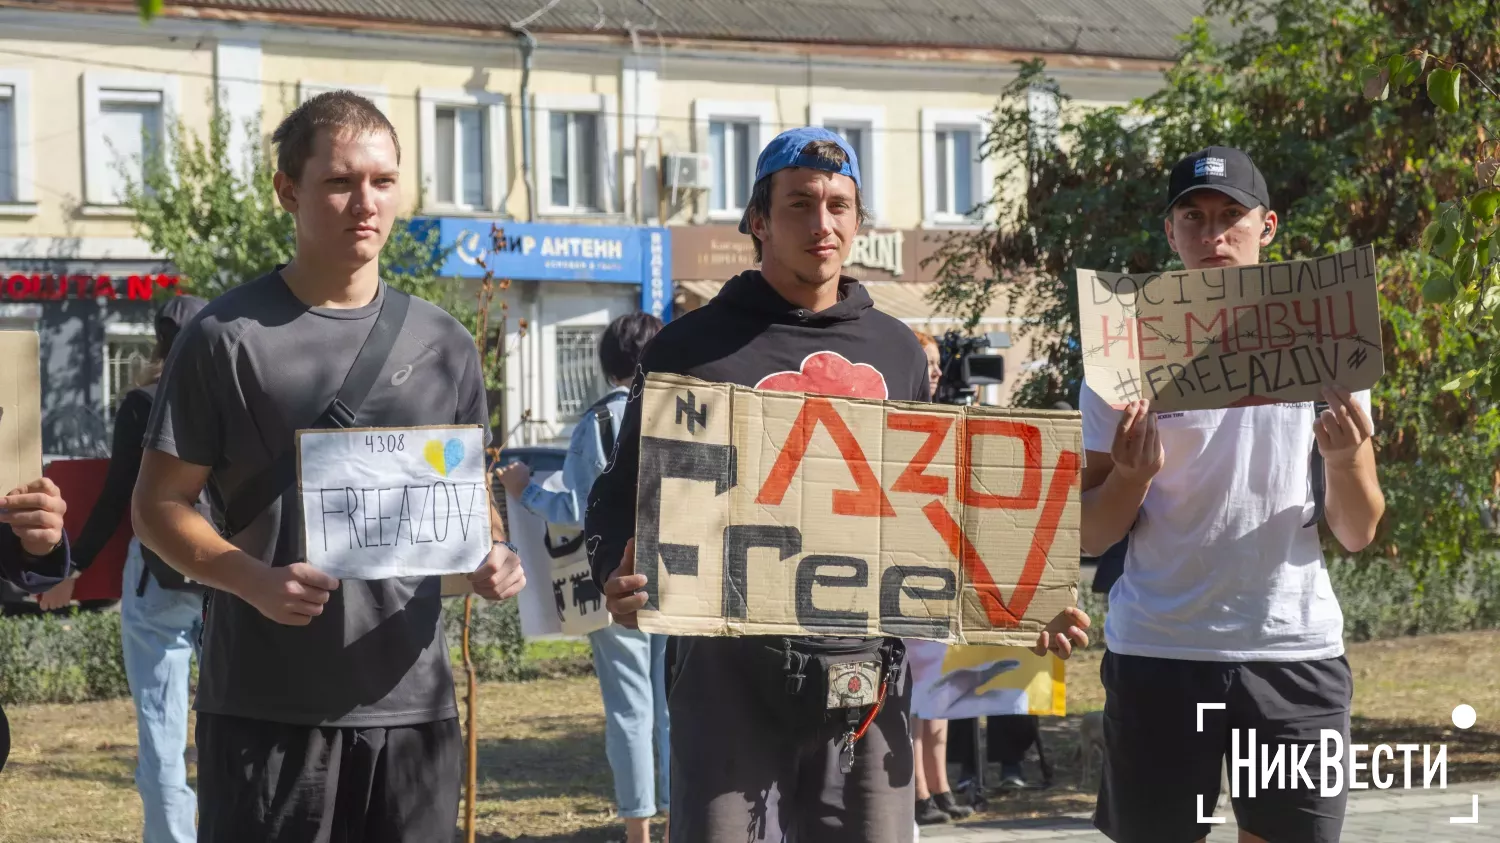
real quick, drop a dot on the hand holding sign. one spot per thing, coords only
(622, 591)
(1063, 633)
(1342, 429)
(501, 576)
(1137, 450)
(292, 594)
(35, 514)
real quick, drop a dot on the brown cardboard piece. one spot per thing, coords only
(766, 513)
(20, 409)
(1232, 337)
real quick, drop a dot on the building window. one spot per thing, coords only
(955, 188)
(462, 137)
(729, 146)
(574, 174)
(733, 134)
(577, 139)
(8, 175)
(126, 355)
(580, 381)
(126, 116)
(955, 172)
(16, 156)
(460, 156)
(863, 127)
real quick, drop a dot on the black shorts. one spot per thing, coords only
(1158, 764)
(743, 771)
(260, 781)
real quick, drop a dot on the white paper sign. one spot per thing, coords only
(560, 595)
(394, 502)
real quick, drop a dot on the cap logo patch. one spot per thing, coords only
(1208, 167)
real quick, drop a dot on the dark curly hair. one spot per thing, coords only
(623, 343)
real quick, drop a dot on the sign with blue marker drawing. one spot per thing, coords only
(394, 502)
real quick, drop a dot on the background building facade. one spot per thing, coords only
(521, 113)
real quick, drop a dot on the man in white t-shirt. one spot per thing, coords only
(1225, 598)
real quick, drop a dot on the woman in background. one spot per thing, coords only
(161, 614)
(935, 802)
(631, 664)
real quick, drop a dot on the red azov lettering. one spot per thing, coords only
(869, 500)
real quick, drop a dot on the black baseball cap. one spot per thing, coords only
(1221, 168)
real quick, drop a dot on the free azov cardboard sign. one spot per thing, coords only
(766, 513)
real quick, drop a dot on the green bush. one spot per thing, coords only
(495, 642)
(73, 658)
(1385, 600)
(61, 659)
(1382, 600)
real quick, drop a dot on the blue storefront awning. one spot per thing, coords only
(546, 252)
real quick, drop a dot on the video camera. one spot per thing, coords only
(965, 366)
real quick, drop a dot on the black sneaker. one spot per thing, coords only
(1011, 777)
(949, 806)
(928, 813)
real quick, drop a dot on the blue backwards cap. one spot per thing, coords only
(785, 150)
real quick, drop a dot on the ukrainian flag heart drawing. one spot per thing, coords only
(443, 456)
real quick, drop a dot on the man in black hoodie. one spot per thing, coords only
(755, 752)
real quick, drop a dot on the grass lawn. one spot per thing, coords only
(543, 775)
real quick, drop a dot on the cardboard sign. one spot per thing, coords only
(394, 502)
(560, 595)
(20, 409)
(1232, 337)
(979, 680)
(768, 513)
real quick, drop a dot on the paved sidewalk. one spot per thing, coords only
(1388, 816)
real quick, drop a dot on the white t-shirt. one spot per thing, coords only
(1220, 566)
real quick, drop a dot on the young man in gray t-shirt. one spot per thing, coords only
(326, 708)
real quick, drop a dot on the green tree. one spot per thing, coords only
(1285, 87)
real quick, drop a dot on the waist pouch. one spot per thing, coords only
(805, 683)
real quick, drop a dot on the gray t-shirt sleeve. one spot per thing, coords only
(473, 408)
(186, 416)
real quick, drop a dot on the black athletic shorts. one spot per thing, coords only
(1158, 764)
(263, 782)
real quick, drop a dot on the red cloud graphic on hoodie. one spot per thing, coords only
(829, 373)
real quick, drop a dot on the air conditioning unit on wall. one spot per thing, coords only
(686, 171)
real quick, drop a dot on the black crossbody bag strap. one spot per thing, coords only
(1315, 472)
(272, 482)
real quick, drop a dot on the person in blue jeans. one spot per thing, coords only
(631, 664)
(161, 614)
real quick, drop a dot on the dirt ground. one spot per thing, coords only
(543, 776)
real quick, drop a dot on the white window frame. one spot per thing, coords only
(138, 332)
(976, 120)
(307, 89)
(429, 100)
(871, 120)
(761, 114)
(23, 168)
(96, 153)
(602, 105)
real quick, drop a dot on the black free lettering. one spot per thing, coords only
(364, 513)
(1258, 373)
